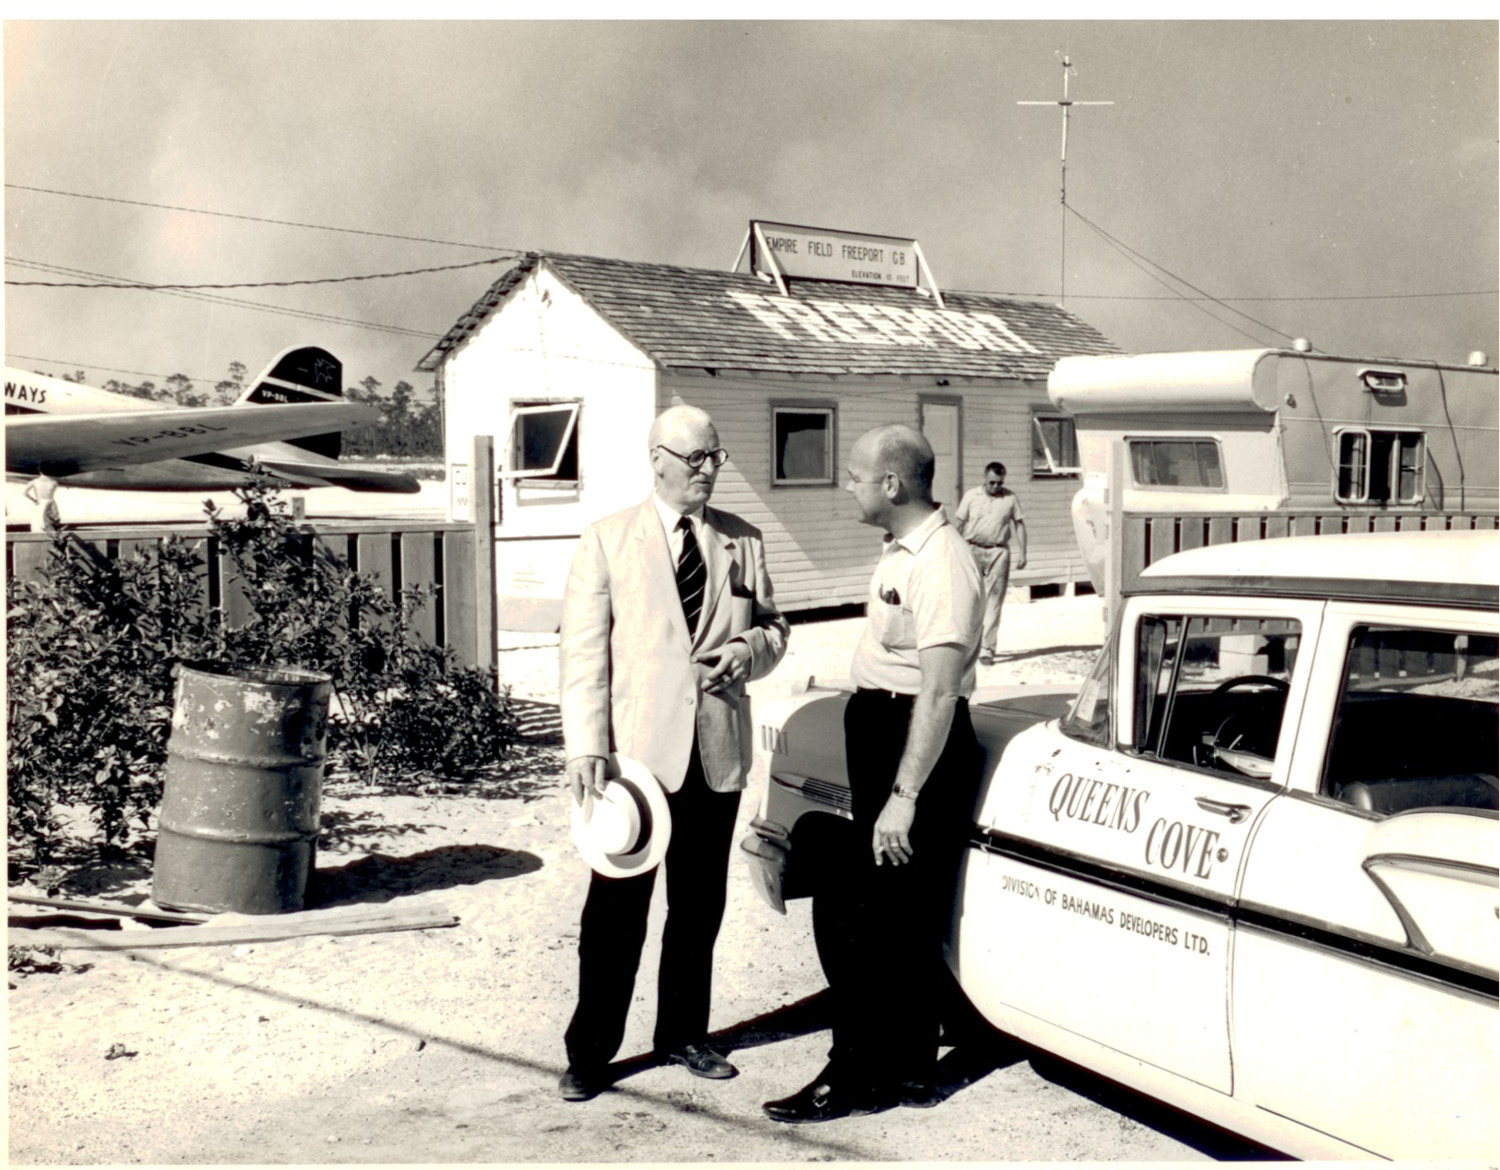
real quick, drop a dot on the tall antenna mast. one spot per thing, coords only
(1067, 105)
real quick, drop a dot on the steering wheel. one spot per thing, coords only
(1223, 745)
(1247, 680)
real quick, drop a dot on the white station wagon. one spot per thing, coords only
(1251, 867)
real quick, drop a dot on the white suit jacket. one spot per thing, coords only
(628, 682)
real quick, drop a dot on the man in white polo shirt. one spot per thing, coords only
(913, 767)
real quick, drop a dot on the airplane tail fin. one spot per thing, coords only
(305, 373)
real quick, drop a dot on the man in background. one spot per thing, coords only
(989, 518)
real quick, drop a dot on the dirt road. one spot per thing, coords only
(445, 1045)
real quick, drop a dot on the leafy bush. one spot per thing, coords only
(93, 642)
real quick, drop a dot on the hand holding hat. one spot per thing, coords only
(626, 830)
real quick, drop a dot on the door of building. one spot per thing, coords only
(942, 424)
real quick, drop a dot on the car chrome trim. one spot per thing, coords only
(1074, 865)
(821, 791)
(1315, 1129)
(1449, 974)
(1256, 585)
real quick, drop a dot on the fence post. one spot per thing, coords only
(483, 489)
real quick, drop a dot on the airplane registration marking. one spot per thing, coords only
(182, 432)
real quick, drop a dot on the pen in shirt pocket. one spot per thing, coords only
(890, 596)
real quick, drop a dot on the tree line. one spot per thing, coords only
(404, 427)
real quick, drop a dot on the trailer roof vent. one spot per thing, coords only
(1383, 383)
(1301, 345)
(1479, 358)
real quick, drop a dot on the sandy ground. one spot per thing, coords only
(445, 1045)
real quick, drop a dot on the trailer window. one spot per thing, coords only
(802, 444)
(1054, 445)
(1381, 467)
(1177, 463)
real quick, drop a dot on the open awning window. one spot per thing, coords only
(1054, 445)
(543, 442)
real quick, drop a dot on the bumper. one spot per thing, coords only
(766, 847)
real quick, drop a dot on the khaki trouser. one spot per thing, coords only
(994, 578)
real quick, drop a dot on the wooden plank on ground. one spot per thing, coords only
(118, 909)
(245, 929)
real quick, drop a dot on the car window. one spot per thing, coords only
(1210, 691)
(1416, 721)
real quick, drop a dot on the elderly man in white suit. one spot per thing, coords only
(668, 612)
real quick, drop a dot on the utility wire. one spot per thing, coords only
(258, 218)
(236, 302)
(145, 287)
(1140, 261)
(1480, 292)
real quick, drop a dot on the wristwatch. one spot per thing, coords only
(904, 792)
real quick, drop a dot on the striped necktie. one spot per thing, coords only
(691, 575)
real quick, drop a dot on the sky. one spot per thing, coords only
(1333, 180)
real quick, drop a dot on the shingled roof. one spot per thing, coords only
(692, 318)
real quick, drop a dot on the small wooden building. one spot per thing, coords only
(566, 359)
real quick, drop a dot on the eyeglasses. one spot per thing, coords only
(697, 459)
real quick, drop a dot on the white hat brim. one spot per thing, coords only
(638, 779)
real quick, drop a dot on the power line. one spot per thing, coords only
(145, 287)
(72, 365)
(1479, 292)
(236, 302)
(77, 365)
(1132, 255)
(258, 218)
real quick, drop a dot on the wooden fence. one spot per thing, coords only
(440, 554)
(1148, 537)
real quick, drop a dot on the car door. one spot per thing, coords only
(1112, 847)
(1364, 980)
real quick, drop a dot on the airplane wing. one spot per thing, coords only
(66, 444)
(337, 475)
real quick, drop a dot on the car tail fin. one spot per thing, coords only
(305, 373)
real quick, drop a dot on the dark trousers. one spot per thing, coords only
(614, 930)
(890, 920)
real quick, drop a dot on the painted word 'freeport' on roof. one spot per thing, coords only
(690, 318)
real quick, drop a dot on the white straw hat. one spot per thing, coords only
(625, 831)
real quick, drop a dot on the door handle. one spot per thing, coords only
(1235, 812)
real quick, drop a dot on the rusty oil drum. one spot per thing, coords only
(241, 789)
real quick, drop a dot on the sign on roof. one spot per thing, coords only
(824, 254)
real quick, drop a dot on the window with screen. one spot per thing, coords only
(1194, 464)
(1054, 445)
(802, 444)
(1380, 467)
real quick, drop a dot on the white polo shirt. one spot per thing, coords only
(924, 593)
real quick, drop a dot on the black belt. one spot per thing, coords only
(1002, 544)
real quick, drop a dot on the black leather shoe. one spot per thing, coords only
(702, 1061)
(919, 1094)
(582, 1084)
(821, 1101)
